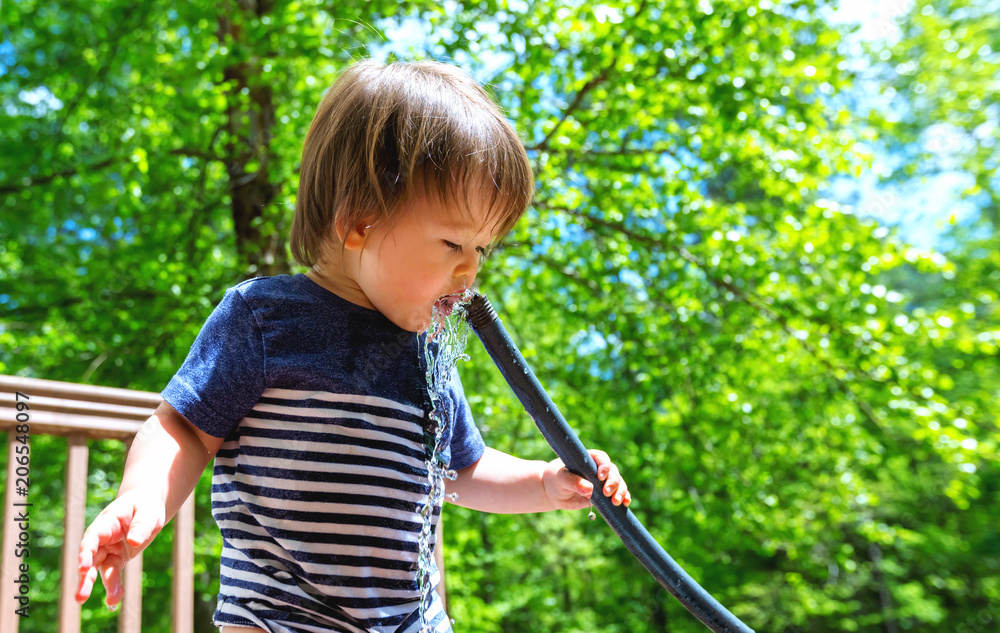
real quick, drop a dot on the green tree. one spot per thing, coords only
(942, 71)
(787, 419)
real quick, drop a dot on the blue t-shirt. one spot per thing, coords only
(317, 488)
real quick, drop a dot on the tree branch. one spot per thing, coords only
(587, 87)
(195, 153)
(624, 151)
(595, 81)
(27, 183)
(743, 297)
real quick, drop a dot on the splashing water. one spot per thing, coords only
(443, 347)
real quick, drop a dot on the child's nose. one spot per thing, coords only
(465, 272)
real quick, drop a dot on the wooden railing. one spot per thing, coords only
(80, 413)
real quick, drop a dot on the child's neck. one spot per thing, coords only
(330, 273)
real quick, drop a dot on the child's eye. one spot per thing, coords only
(483, 252)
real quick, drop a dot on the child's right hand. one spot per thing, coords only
(120, 531)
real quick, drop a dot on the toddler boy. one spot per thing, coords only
(309, 390)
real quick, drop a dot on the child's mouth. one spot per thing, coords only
(447, 304)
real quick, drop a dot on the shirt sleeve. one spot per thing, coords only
(467, 446)
(223, 375)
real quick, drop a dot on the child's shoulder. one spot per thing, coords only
(287, 295)
(266, 294)
(278, 286)
(260, 283)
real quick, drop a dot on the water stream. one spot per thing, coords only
(443, 347)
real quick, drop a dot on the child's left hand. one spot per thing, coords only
(567, 491)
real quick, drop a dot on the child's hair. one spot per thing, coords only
(383, 130)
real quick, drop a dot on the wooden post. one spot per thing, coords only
(439, 559)
(8, 562)
(183, 585)
(73, 526)
(130, 608)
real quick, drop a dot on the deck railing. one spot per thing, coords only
(81, 413)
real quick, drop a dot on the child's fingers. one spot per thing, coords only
(111, 574)
(91, 543)
(115, 551)
(147, 521)
(108, 528)
(612, 479)
(86, 585)
(575, 484)
(565, 490)
(574, 492)
(106, 556)
(617, 489)
(103, 549)
(606, 470)
(614, 487)
(621, 494)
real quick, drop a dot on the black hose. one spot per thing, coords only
(568, 447)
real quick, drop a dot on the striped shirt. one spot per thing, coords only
(318, 486)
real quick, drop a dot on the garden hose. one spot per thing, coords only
(564, 441)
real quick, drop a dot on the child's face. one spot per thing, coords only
(431, 251)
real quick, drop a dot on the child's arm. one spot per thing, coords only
(165, 462)
(504, 484)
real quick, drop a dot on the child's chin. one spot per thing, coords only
(412, 322)
(420, 329)
(417, 326)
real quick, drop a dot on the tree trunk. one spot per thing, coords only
(250, 119)
(885, 597)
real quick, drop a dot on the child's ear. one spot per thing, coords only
(354, 237)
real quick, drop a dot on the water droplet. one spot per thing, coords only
(591, 516)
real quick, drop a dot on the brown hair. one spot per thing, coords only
(383, 130)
